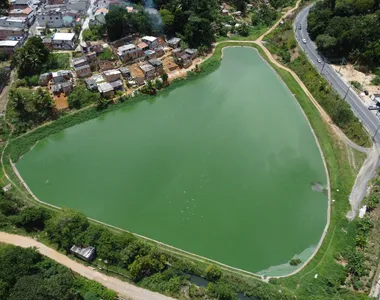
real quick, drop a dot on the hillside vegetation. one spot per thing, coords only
(347, 28)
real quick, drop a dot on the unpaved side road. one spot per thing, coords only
(366, 173)
(124, 289)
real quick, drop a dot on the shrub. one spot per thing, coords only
(295, 262)
(213, 273)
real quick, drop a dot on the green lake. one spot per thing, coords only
(221, 167)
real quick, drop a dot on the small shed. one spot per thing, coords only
(177, 52)
(125, 72)
(173, 42)
(87, 254)
(106, 89)
(117, 85)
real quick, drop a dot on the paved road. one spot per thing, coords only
(124, 289)
(368, 118)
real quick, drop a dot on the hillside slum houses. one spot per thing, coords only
(60, 85)
(139, 61)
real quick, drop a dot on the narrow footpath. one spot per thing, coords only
(124, 289)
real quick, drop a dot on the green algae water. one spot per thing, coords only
(221, 167)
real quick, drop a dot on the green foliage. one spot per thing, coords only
(64, 228)
(32, 218)
(147, 265)
(165, 77)
(94, 33)
(57, 61)
(28, 109)
(167, 282)
(81, 97)
(25, 274)
(213, 273)
(220, 291)
(120, 23)
(4, 76)
(347, 29)
(107, 54)
(376, 80)
(30, 58)
(243, 30)
(295, 262)
(356, 85)
(264, 15)
(281, 3)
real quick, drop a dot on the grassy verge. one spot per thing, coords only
(339, 237)
(282, 44)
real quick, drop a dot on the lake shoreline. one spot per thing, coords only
(209, 66)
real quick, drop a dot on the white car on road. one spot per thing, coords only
(304, 41)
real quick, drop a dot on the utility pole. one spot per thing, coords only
(323, 66)
(377, 129)
(347, 92)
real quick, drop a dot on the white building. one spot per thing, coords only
(151, 41)
(62, 40)
(80, 5)
(18, 22)
(50, 16)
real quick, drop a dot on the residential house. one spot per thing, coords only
(158, 66)
(61, 76)
(96, 47)
(65, 41)
(99, 16)
(10, 32)
(65, 87)
(70, 17)
(148, 70)
(128, 52)
(177, 52)
(93, 81)
(151, 41)
(45, 78)
(27, 13)
(83, 71)
(78, 62)
(91, 57)
(125, 72)
(193, 53)
(51, 16)
(80, 5)
(21, 4)
(54, 2)
(87, 254)
(173, 42)
(160, 51)
(143, 46)
(111, 75)
(117, 85)
(106, 90)
(8, 46)
(185, 61)
(19, 22)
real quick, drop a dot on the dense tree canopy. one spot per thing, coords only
(30, 58)
(26, 275)
(28, 109)
(188, 19)
(348, 29)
